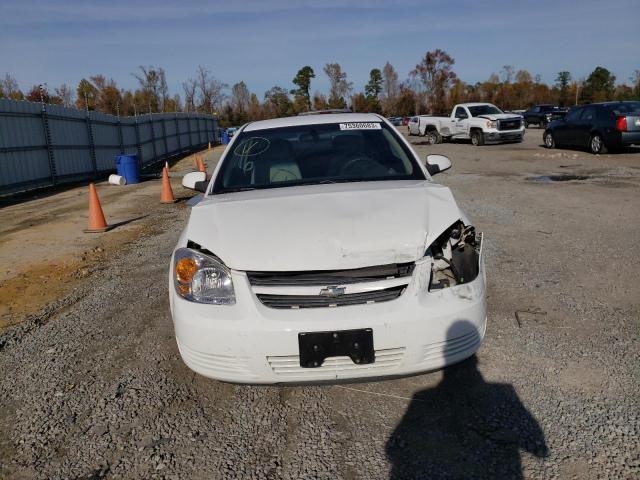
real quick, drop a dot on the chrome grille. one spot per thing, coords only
(317, 301)
(509, 124)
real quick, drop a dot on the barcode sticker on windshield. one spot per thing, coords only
(360, 126)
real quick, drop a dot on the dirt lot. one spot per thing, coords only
(93, 385)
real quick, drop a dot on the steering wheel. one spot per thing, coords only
(365, 161)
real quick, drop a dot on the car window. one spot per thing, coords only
(460, 113)
(535, 109)
(574, 114)
(414, 119)
(588, 114)
(314, 154)
(478, 110)
(626, 108)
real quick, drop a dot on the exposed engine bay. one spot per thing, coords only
(455, 256)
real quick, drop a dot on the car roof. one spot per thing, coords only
(312, 120)
(475, 104)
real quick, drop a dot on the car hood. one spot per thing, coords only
(500, 116)
(323, 227)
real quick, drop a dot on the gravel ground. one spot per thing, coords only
(94, 387)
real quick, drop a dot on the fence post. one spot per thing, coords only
(48, 143)
(164, 135)
(153, 139)
(138, 144)
(92, 145)
(120, 131)
(189, 129)
(178, 133)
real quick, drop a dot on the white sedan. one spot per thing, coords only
(322, 250)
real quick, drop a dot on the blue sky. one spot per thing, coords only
(264, 43)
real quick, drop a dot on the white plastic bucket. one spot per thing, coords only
(117, 180)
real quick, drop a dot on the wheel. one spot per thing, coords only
(477, 139)
(596, 144)
(549, 141)
(433, 137)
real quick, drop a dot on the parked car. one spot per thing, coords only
(405, 121)
(542, 115)
(322, 250)
(396, 121)
(598, 126)
(480, 122)
(231, 131)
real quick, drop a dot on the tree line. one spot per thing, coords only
(431, 87)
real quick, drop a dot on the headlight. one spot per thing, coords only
(522, 122)
(492, 124)
(201, 278)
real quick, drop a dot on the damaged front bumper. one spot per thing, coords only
(504, 136)
(248, 342)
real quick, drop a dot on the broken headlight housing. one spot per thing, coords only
(202, 278)
(455, 256)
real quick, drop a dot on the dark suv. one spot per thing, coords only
(598, 126)
(542, 115)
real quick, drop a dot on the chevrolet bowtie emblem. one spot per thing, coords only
(332, 291)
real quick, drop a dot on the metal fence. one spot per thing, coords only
(44, 145)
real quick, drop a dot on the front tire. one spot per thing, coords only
(549, 141)
(596, 144)
(477, 138)
(433, 137)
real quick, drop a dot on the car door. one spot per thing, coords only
(460, 123)
(534, 116)
(584, 126)
(563, 131)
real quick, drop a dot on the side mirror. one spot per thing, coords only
(195, 181)
(437, 163)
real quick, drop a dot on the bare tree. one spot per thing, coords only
(153, 84)
(190, 88)
(390, 84)
(340, 86)
(507, 73)
(436, 73)
(240, 97)
(9, 87)
(65, 92)
(210, 91)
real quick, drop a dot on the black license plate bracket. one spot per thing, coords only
(316, 347)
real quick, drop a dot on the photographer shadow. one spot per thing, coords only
(464, 428)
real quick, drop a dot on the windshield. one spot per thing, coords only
(626, 107)
(484, 110)
(313, 154)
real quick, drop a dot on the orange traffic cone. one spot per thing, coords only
(97, 223)
(201, 166)
(166, 194)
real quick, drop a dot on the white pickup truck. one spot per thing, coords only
(480, 122)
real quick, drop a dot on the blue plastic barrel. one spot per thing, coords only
(128, 167)
(225, 137)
